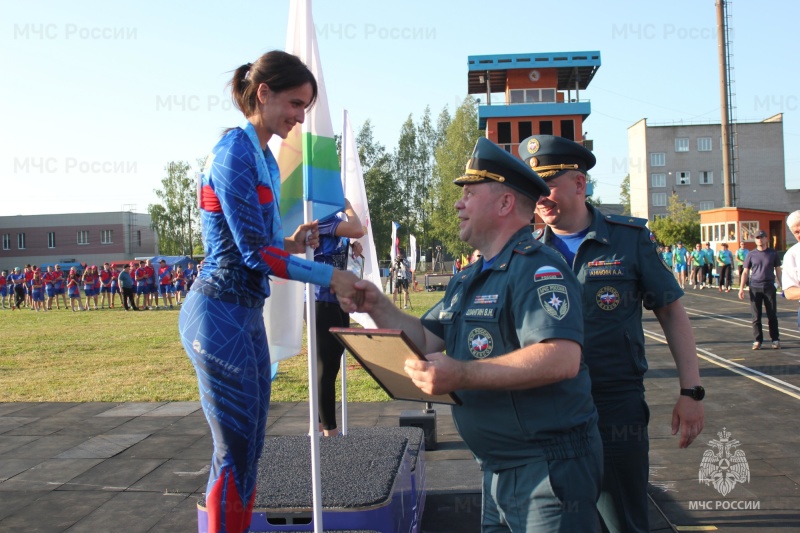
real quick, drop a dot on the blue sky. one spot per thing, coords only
(98, 97)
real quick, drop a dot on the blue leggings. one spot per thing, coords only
(227, 344)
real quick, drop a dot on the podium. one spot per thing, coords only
(373, 479)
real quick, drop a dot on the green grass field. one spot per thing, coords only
(114, 356)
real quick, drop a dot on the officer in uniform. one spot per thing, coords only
(617, 262)
(512, 327)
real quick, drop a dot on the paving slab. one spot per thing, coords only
(175, 409)
(115, 474)
(11, 442)
(103, 446)
(45, 447)
(55, 511)
(176, 475)
(132, 409)
(48, 475)
(160, 446)
(129, 511)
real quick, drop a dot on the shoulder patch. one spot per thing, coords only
(538, 234)
(626, 221)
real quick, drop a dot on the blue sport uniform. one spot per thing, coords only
(221, 322)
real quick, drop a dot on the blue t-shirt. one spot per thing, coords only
(568, 244)
(332, 250)
(762, 264)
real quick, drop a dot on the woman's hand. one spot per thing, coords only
(304, 235)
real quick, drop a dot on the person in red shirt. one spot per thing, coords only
(73, 289)
(152, 284)
(105, 278)
(140, 278)
(180, 284)
(49, 288)
(115, 288)
(165, 287)
(59, 286)
(37, 291)
(28, 278)
(89, 278)
(3, 289)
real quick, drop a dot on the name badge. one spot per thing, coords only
(481, 312)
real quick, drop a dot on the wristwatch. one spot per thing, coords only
(695, 393)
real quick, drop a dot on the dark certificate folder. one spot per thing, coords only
(382, 353)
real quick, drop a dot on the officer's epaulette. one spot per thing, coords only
(627, 221)
(469, 265)
(526, 247)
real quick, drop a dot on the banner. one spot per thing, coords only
(309, 168)
(354, 190)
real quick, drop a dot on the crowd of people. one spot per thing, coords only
(134, 286)
(698, 266)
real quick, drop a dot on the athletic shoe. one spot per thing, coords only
(776, 345)
(756, 345)
(702, 287)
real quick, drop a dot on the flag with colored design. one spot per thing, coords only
(395, 241)
(309, 168)
(356, 192)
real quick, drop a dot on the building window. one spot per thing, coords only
(705, 206)
(139, 238)
(748, 230)
(682, 144)
(731, 231)
(658, 180)
(546, 127)
(659, 199)
(706, 177)
(568, 129)
(106, 236)
(658, 159)
(704, 144)
(6, 241)
(524, 130)
(657, 216)
(683, 177)
(51, 239)
(83, 237)
(503, 132)
(21, 241)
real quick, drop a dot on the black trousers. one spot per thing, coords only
(329, 359)
(725, 276)
(127, 299)
(767, 297)
(698, 276)
(19, 295)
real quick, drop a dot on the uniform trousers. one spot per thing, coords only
(766, 296)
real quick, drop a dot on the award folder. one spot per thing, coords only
(382, 353)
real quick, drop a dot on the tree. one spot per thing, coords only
(625, 195)
(176, 219)
(593, 200)
(408, 175)
(383, 192)
(452, 154)
(682, 223)
(427, 141)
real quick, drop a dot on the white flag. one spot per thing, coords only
(412, 242)
(354, 190)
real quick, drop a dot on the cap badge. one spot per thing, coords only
(533, 146)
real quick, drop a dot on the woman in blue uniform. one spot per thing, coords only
(335, 233)
(221, 321)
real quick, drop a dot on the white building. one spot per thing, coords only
(686, 159)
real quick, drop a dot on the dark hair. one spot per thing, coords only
(279, 70)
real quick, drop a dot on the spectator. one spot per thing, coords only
(761, 268)
(73, 289)
(165, 287)
(741, 254)
(698, 264)
(724, 262)
(679, 258)
(105, 277)
(4, 288)
(126, 285)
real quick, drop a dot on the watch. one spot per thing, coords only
(695, 393)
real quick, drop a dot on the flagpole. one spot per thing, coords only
(345, 152)
(311, 316)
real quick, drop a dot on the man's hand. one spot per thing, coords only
(688, 416)
(741, 293)
(364, 297)
(440, 374)
(304, 235)
(343, 286)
